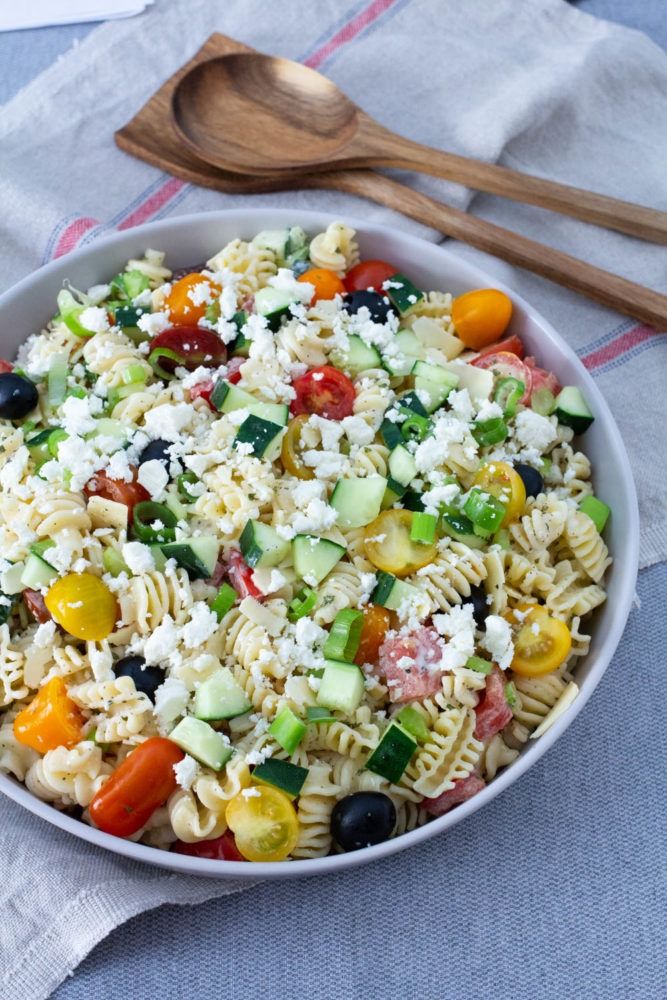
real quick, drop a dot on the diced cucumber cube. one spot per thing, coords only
(220, 697)
(281, 774)
(287, 729)
(202, 742)
(342, 687)
(358, 501)
(392, 755)
(261, 545)
(314, 558)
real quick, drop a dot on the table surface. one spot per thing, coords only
(602, 916)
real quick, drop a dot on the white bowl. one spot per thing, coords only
(192, 239)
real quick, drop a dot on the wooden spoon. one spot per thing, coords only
(155, 146)
(257, 114)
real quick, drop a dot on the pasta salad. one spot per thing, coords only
(294, 555)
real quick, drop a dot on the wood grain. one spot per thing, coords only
(255, 114)
(150, 137)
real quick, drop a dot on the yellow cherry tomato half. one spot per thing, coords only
(541, 642)
(187, 302)
(326, 283)
(481, 317)
(388, 545)
(290, 452)
(503, 482)
(265, 824)
(83, 605)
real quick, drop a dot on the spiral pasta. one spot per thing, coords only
(316, 802)
(336, 249)
(586, 545)
(450, 754)
(251, 265)
(68, 777)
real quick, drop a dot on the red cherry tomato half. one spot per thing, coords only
(102, 485)
(240, 576)
(5, 366)
(511, 344)
(368, 274)
(504, 364)
(220, 849)
(34, 602)
(194, 347)
(234, 370)
(542, 379)
(324, 391)
(202, 390)
(140, 785)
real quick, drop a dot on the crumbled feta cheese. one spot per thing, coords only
(171, 699)
(284, 280)
(498, 641)
(534, 431)
(203, 623)
(168, 420)
(44, 635)
(138, 557)
(95, 319)
(186, 771)
(153, 323)
(162, 641)
(77, 415)
(153, 476)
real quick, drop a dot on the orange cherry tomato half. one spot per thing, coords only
(189, 297)
(290, 452)
(102, 485)
(369, 274)
(140, 785)
(376, 624)
(324, 391)
(481, 317)
(83, 605)
(51, 719)
(327, 284)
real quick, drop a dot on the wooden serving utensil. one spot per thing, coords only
(256, 114)
(150, 137)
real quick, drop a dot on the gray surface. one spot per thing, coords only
(584, 917)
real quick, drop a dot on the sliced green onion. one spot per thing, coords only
(147, 512)
(485, 511)
(55, 438)
(414, 723)
(223, 601)
(423, 528)
(502, 538)
(597, 510)
(316, 715)
(113, 562)
(478, 664)
(163, 352)
(182, 482)
(120, 392)
(345, 635)
(543, 402)
(135, 282)
(56, 380)
(212, 314)
(302, 604)
(134, 373)
(287, 730)
(70, 310)
(415, 427)
(508, 393)
(487, 432)
(76, 390)
(510, 694)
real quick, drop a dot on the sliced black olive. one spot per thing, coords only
(157, 450)
(362, 819)
(480, 607)
(146, 679)
(532, 479)
(378, 305)
(18, 396)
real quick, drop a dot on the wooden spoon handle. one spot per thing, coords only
(393, 150)
(609, 289)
